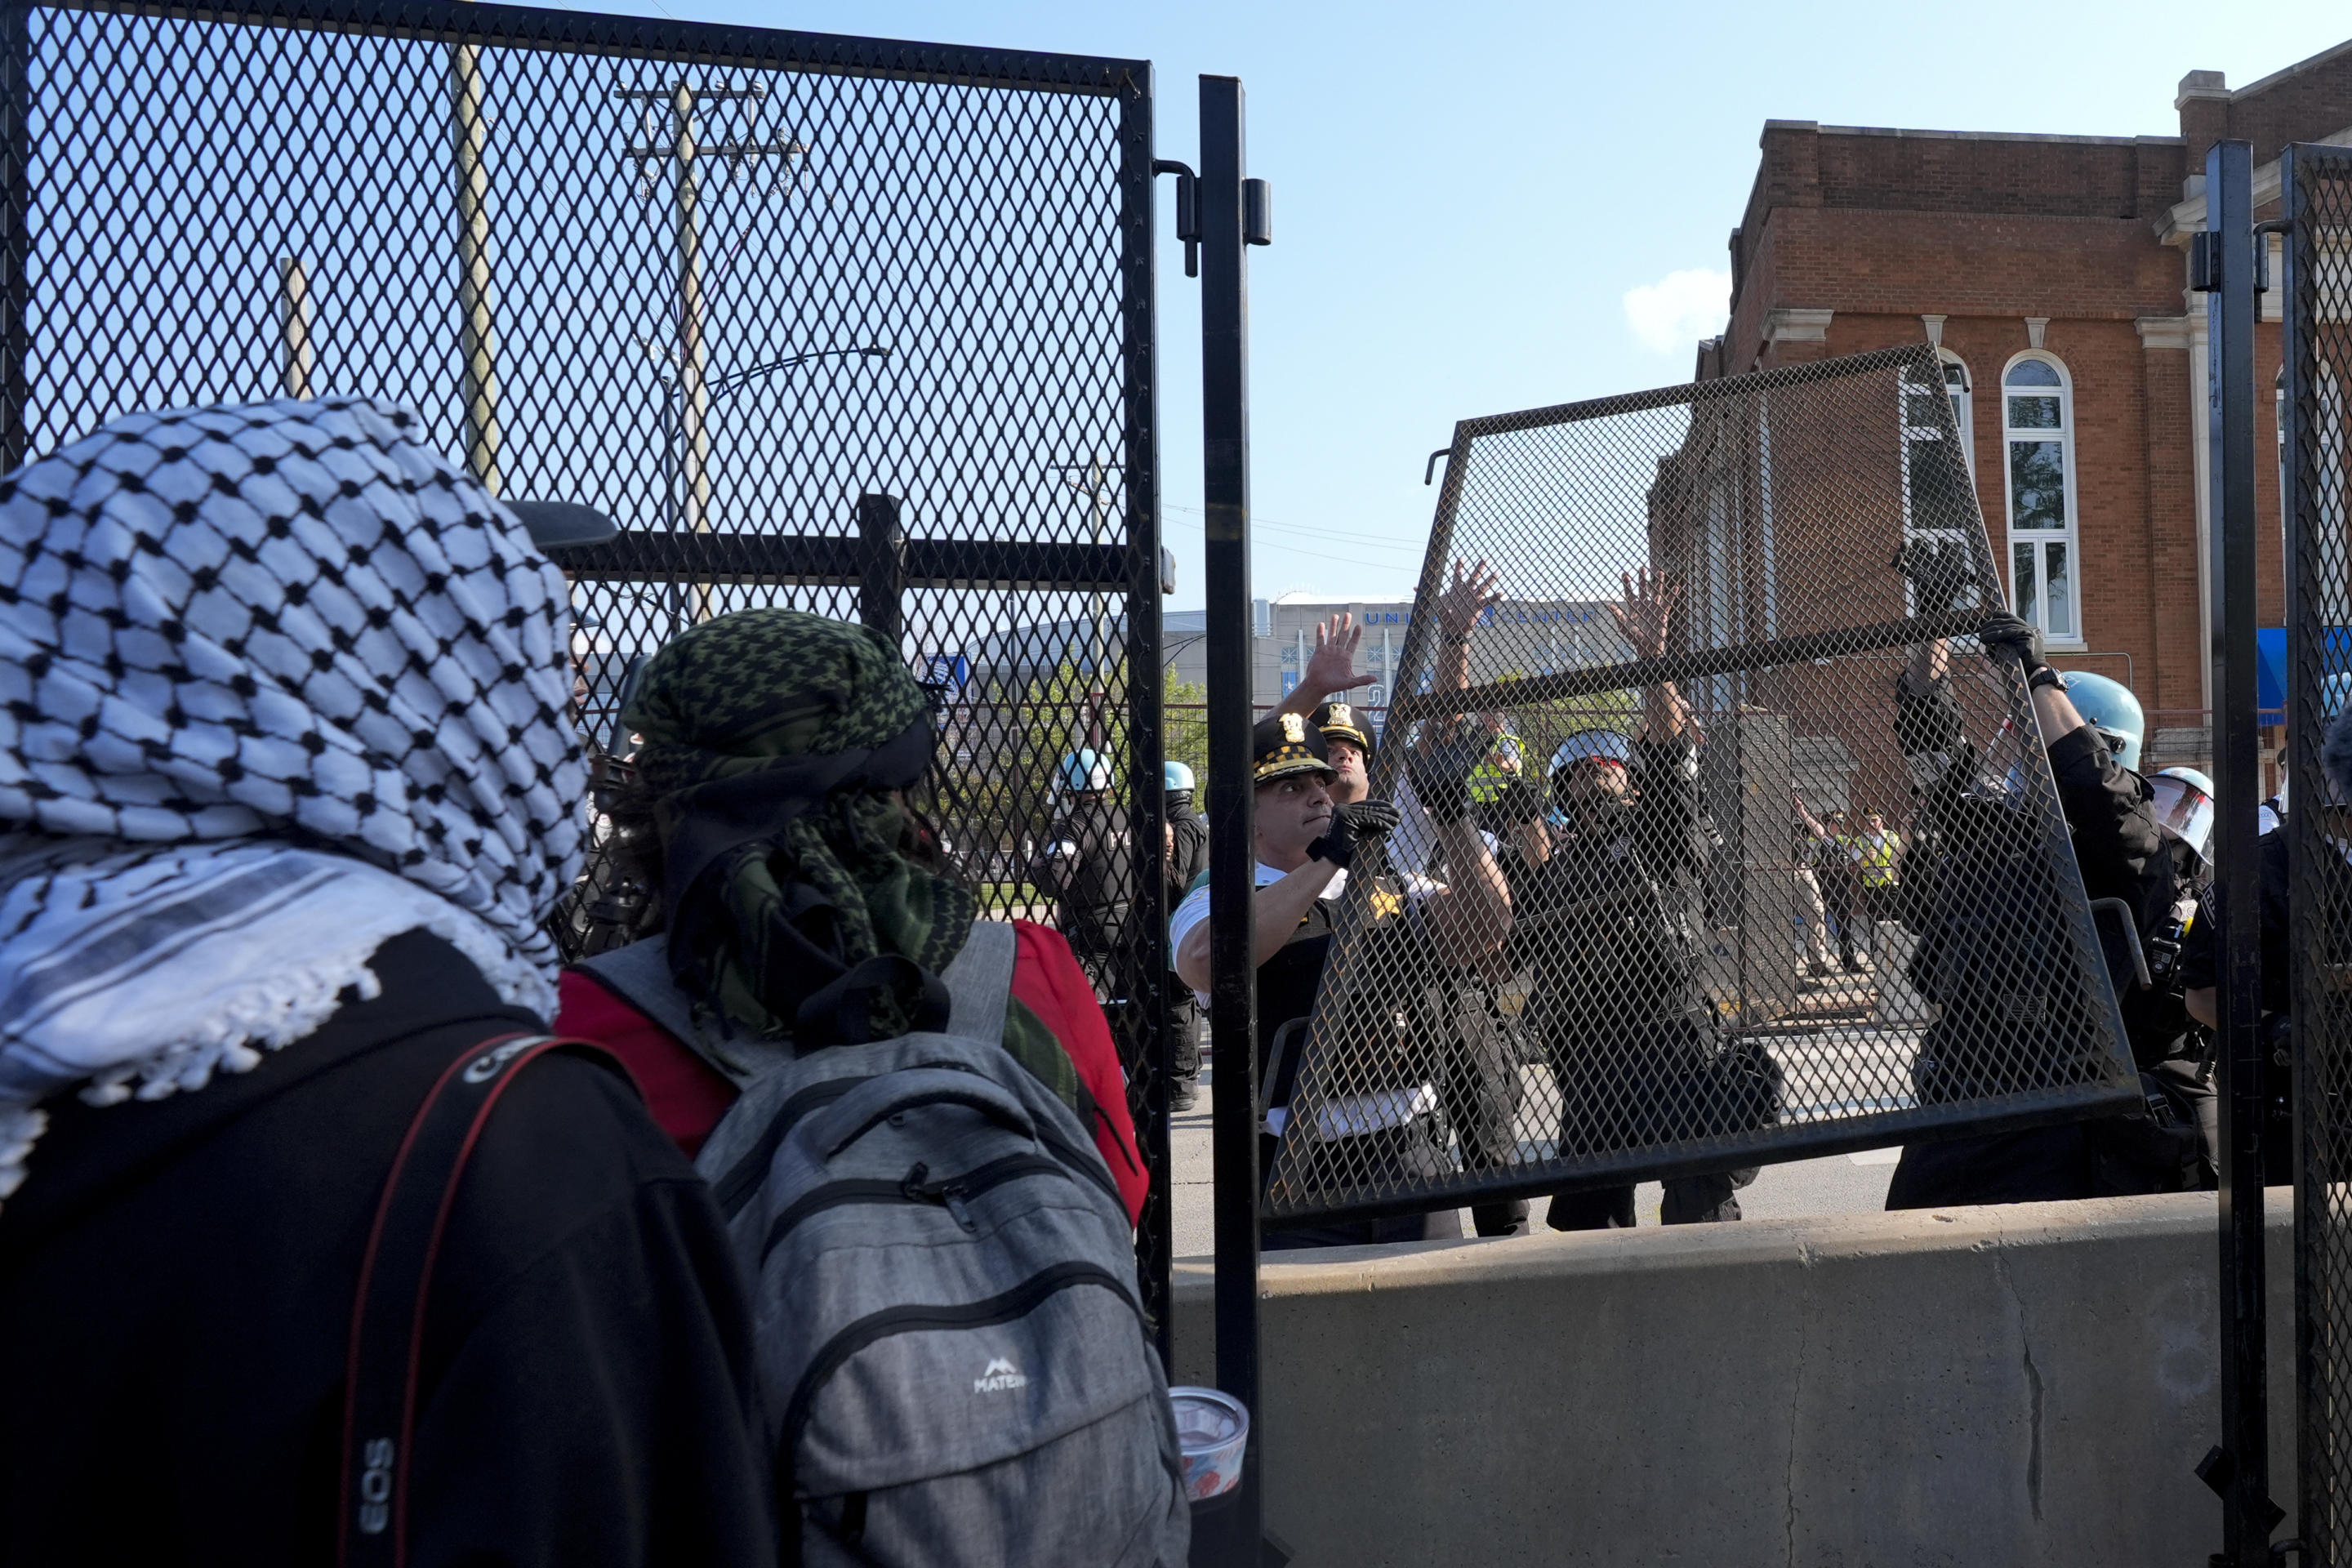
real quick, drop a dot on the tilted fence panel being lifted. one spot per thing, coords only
(2317, 474)
(1708, 595)
(858, 327)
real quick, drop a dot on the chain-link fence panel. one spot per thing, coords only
(2318, 990)
(1724, 839)
(857, 327)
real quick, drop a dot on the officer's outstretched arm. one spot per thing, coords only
(1645, 619)
(1275, 909)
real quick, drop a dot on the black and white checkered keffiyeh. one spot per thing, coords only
(277, 683)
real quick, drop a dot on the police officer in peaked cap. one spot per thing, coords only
(1347, 737)
(1374, 1117)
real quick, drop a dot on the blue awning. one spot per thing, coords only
(2270, 671)
(2270, 675)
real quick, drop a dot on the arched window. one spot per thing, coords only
(2037, 427)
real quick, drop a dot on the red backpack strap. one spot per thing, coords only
(396, 1279)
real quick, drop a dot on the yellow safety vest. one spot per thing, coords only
(1876, 853)
(1488, 781)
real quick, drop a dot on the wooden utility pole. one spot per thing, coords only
(689, 437)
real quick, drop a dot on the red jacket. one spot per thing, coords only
(688, 1097)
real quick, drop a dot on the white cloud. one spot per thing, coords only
(1671, 315)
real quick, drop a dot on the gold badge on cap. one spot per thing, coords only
(1294, 728)
(1342, 716)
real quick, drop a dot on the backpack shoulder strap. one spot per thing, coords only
(396, 1278)
(980, 980)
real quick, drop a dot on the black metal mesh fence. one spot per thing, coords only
(2318, 490)
(855, 327)
(1763, 901)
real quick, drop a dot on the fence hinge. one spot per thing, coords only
(2204, 262)
(1188, 210)
(2263, 231)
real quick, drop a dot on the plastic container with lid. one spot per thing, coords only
(1213, 1431)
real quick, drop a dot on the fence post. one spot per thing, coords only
(1149, 982)
(2227, 260)
(1233, 859)
(2306, 556)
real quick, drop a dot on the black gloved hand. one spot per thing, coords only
(2002, 632)
(1441, 774)
(1516, 805)
(1353, 828)
(1442, 790)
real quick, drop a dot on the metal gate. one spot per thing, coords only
(2316, 475)
(1726, 613)
(858, 327)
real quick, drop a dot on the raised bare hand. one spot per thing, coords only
(1473, 592)
(1648, 611)
(1332, 667)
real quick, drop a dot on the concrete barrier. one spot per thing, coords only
(1964, 1387)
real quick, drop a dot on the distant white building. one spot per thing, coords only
(1518, 636)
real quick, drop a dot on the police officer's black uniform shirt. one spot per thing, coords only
(1285, 990)
(1190, 829)
(1086, 867)
(2120, 850)
(1603, 924)
(2200, 960)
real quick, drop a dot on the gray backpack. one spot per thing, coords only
(955, 1361)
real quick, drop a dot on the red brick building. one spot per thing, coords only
(2051, 273)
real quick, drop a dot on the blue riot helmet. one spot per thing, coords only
(1176, 778)
(2184, 806)
(1085, 772)
(2112, 710)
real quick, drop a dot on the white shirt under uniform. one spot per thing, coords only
(1350, 1114)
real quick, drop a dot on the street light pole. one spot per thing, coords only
(1096, 487)
(684, 148)
(477, 345)
(674, 388)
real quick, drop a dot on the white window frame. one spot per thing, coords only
(1912, 529)
(2071, 536)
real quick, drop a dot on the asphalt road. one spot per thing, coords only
(1842, 1183)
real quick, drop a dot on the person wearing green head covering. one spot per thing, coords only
(799, 901)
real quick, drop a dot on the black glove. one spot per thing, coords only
(1441, 774)
(2002, 632)
(1516, 805)
(1443, 793)
(1352, 827)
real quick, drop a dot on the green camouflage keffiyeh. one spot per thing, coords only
(773, 741)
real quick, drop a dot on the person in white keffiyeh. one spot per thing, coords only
(277, 683)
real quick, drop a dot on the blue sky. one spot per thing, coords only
(1466, 195)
